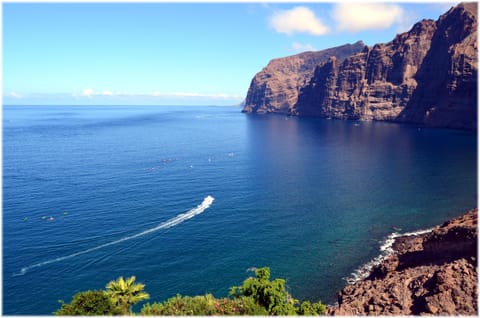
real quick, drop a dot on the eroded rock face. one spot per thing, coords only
(447, 79)
(429, 274)
(426, 76)
(374, 84)
(276, 87)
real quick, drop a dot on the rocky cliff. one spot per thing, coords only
(427, 76)
(433, 273)
(276, 87)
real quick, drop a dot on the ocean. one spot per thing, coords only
(189, 198)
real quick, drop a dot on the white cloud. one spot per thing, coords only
(302, 47)
(108, 97)
(407, 20)
(92, 94)
(298, 19)
(88, 92)
(14, 95)
(193, 94)
(186, 94)
(354, 17)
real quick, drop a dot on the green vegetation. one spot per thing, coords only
(204, 306)
(257, 296)
(89, 303)
(125, 293)
(273, 296)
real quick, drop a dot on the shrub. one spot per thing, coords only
(184, 306)
(309, 309)
(243, 306)
(272, 295)
(257, 296)
(89, 303)
(203, 305)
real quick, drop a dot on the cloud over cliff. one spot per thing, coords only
(298, 20)
(356, 17)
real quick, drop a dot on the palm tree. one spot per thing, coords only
(125, 293)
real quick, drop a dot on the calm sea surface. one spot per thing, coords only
(310, 198)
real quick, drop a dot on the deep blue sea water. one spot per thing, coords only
(310, 198)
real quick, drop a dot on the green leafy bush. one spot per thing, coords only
(242, 306)
(309, 309)
(272, 295)
(257, 296)
(203, 305)
(184, 306)
(89, 303)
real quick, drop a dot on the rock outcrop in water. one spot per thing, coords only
(433, 273)
(427, 76)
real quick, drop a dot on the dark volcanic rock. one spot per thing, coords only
(374, 84)
(433, 274)
(447, 79)
(426, 76)
(276, 87)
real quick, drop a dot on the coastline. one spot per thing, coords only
(431, 271)
(387, 250)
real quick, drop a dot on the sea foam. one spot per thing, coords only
(386, 249)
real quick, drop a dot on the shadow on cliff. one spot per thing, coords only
(437, 249)
(443, 97)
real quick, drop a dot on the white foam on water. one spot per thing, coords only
(207, 202)
(386, 250)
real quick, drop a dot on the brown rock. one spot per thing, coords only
(374, 84)
(276, 87)
(426, 76)
(440, 280)
(447, 79)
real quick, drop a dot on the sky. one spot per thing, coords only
(175, 53)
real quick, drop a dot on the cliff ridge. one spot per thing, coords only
(426, 76)
(276, 87)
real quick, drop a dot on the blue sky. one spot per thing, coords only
(174, 53)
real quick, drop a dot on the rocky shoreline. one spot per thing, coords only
(433, 273)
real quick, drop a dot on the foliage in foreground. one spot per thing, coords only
(125, 293)
(89, 303)
(257, 296)
(273, 296)
(204, 306)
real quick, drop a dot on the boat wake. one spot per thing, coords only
(386, 250)
(207, 202)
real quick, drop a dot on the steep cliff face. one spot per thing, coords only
(276, 87)
(426, 76)
(374, 84)
(447, 80)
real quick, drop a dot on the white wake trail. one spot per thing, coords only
(207, 202)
